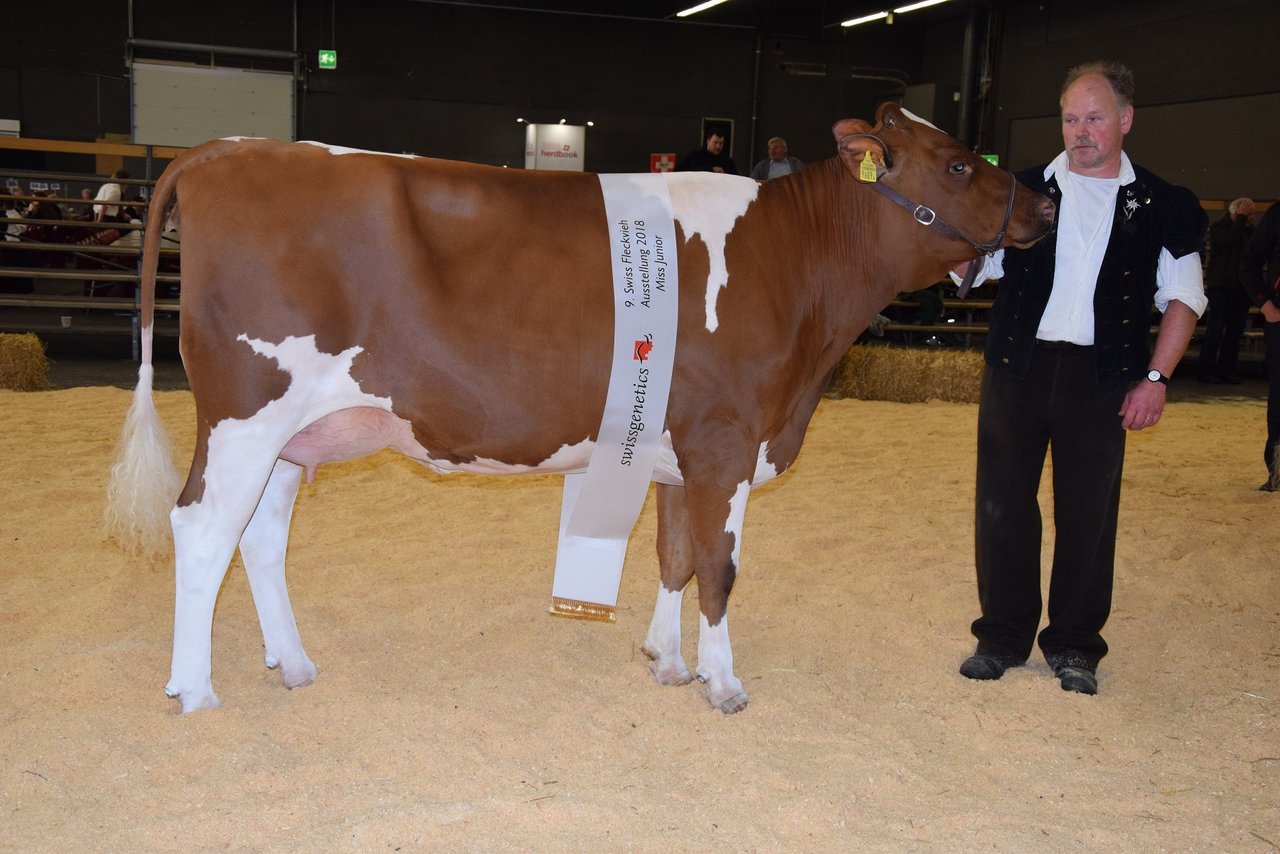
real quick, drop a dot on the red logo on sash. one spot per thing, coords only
(643, 348)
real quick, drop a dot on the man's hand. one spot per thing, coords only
(1143, 405)
(1270, 312)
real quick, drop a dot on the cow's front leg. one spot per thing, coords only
(263, 547)
(675, 562)
(716, 519)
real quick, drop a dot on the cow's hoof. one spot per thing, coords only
(670, 673)
(736, 703)
(194, 701)
(299, 675)
(667, 669)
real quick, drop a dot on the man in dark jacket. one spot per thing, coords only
(1228, 302)
(710, 158)
(1260, 275)
(1069, 367)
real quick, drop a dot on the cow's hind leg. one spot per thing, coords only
(212, 513)
(675, 561)
(263, 546)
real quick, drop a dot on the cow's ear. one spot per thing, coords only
(854, 140)
(889, 115)
(846, 128)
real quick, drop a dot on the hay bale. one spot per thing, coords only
(878, 372)
(23, 366)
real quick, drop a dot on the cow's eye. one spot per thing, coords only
(959, 167)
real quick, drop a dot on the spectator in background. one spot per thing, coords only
(778, 163)
(13, 211)
(85, 211)
(1228, 302)
(1260, 275)
(40, 208)
(109, 192)
(710, 158)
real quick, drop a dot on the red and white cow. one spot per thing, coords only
(336, 302)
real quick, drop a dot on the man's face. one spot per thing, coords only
(777, 151)
(715, 143)
(1093, 127)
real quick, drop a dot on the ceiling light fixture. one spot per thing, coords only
(887, 17)
(865, 19)
(701, 7)
(920, 5)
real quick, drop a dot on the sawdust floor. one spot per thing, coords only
(451, 713)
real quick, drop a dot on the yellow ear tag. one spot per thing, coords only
(867, 169)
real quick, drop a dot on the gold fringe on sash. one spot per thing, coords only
(577, 610)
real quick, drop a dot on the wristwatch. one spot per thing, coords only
(1156, 377)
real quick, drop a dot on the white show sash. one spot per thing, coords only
(601, 505)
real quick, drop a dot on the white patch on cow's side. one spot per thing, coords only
(329, 388)
(320, 383)
(708, 205)
(916, 118)
(342, 149)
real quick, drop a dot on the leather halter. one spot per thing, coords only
(926, 216)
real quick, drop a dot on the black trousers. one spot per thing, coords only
(1058, 405)
(1220, 348)
(1271, 336)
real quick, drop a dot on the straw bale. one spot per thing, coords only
(907, 375)
(23, 366)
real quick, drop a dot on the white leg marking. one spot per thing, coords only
(715, 666)
(663, 641)
(737, 515)
(715, 656)
(765, 470)
(263, 547)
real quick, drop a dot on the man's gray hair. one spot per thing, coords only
(1117, 75)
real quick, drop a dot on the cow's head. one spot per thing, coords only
(941, 183)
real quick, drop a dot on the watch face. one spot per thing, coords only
(1154, 376)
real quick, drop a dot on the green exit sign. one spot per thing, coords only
(993, 159)
(328, 59)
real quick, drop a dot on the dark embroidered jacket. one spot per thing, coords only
(1150, 214)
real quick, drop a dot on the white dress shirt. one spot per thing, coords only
(1084, 229)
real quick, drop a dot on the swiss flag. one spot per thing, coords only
(662, 162)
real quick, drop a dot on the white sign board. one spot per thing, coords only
(555, 147)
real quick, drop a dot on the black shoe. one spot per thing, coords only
(980, 665)
(1077, 679)
(1074, 670)
(1231, 379)
(1267, 487)
(1209, 377)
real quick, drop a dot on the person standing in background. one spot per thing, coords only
(1260, 275)
(1228, 302)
